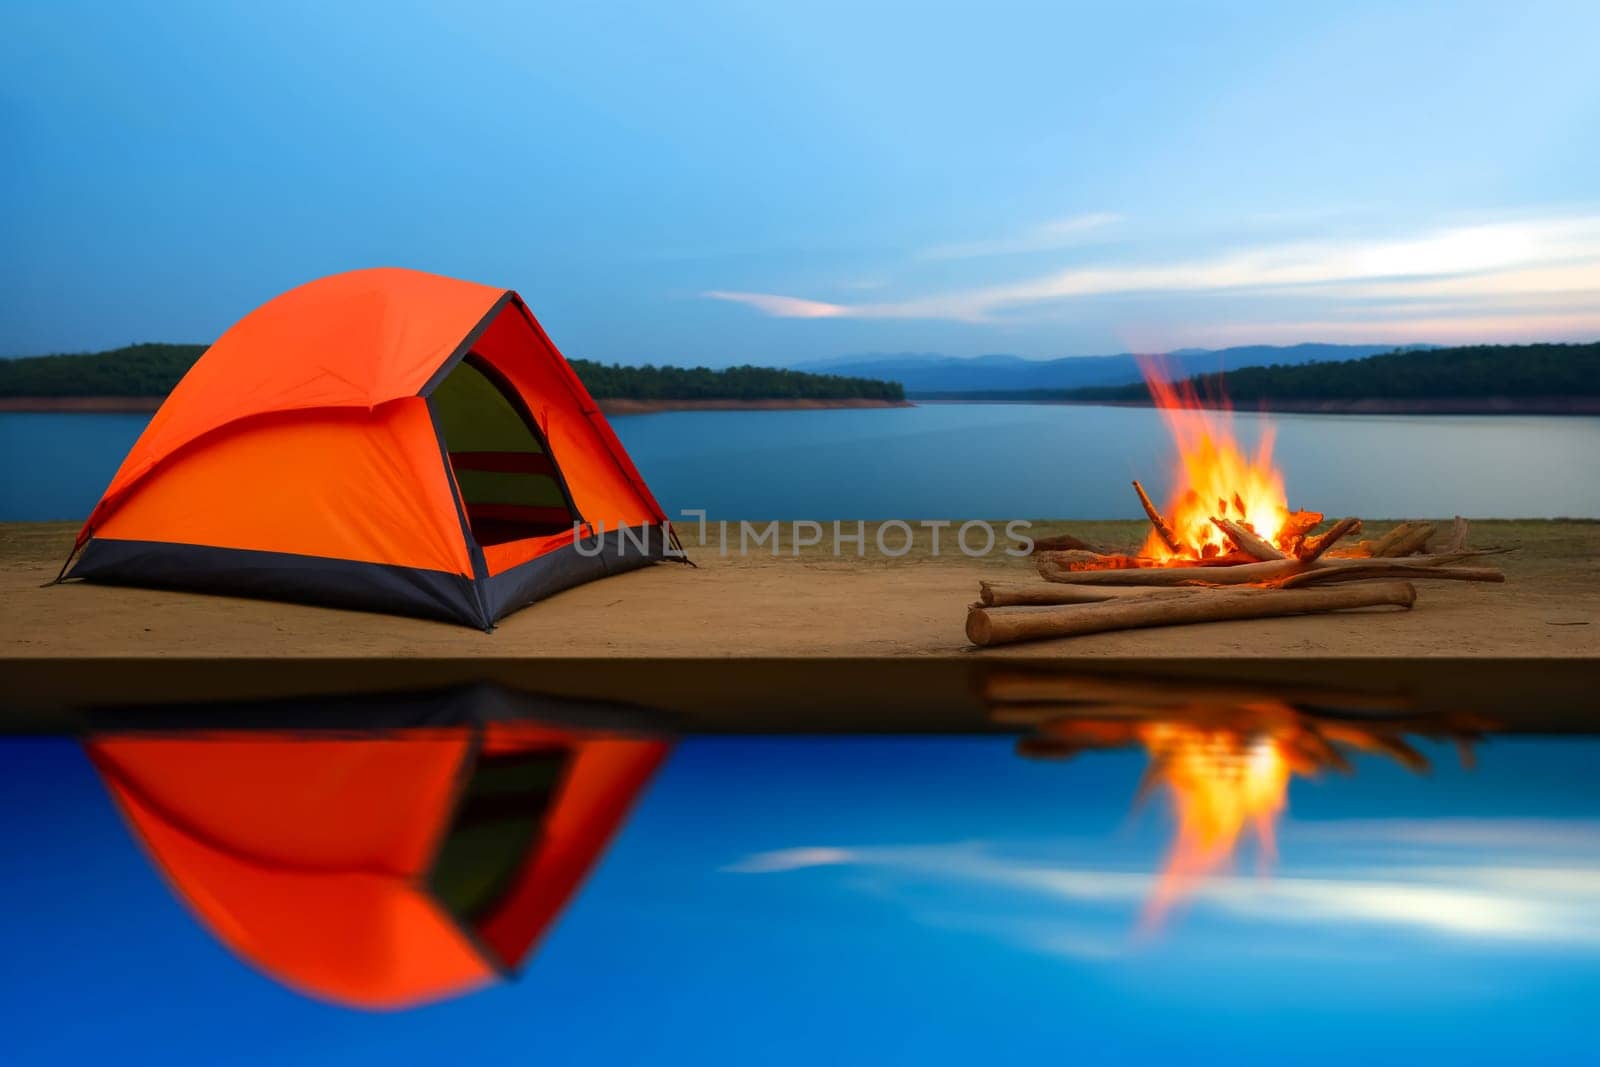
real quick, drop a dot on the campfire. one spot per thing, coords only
(1226, 546)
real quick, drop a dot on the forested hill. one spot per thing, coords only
(1475, 372)
(151, 370)
(734, 383)
(137, 370)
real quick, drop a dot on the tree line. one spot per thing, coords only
(153, 369)
(1545, 370)
(732, 383)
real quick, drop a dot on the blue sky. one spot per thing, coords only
(705, 182)
(790, 900)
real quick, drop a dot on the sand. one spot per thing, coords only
(806, 606)
(808, 643)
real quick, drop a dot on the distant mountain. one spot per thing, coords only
(923, 374)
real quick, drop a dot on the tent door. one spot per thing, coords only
(510, 484)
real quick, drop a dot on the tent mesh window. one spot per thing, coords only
(496, 831)
(509, 482)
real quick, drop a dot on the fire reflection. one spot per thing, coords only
(1222, 755)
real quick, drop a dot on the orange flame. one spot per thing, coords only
(1222, 783)
(1213, 476)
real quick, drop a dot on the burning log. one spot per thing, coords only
(1080, 559)
(1297, 525)
(988, 626)
(1268, 572)
(1245, 539)
(1313, 549)
(1163, 530)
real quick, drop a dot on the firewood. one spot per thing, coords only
(1457, 539)
(1365, 569)
(1011, 594)
(1068, 543)
(1163, 531)
(1298, 524)
(1314, 548)
(987, 626)
(1240, 574)
(1403, 540)
(1246, 539)
(1074, 559)
(1269, 572)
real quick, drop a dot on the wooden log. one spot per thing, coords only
(1403, 540)
(1269, 572)
(1163, 531)
(988, 626)
(1068, 543)
(1246, 539)
(1361, 570)
(1240, 574)
(1080, 558)
(1456, 540)
(1313, 549)
(1013, 594)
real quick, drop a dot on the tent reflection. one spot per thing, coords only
(385, 869)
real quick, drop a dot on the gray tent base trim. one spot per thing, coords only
(361, 586)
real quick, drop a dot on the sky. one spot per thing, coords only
(895, 899)
(721, 183)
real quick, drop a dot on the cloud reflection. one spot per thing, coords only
(1546, 892)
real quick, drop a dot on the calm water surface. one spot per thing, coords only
(952, 461)
(852, 900)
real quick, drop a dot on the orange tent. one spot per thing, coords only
(384, 871)
(383, 439)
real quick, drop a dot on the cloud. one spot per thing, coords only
(1543, 889)
(1058, 234)
(782, 307)
(791, 859)
(1506, 275)
(1518, 834)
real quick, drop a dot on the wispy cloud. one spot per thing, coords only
(1541, 887)
(783, 307)
(1480, 280)
(1058, 234)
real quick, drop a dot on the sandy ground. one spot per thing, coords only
(812, 605)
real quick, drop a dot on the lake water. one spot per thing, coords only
(801, 900)
(953, 461)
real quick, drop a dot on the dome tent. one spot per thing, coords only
(383, 439)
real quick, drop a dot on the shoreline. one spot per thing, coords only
(628, 406)
(1444, 405)
(108, 405)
